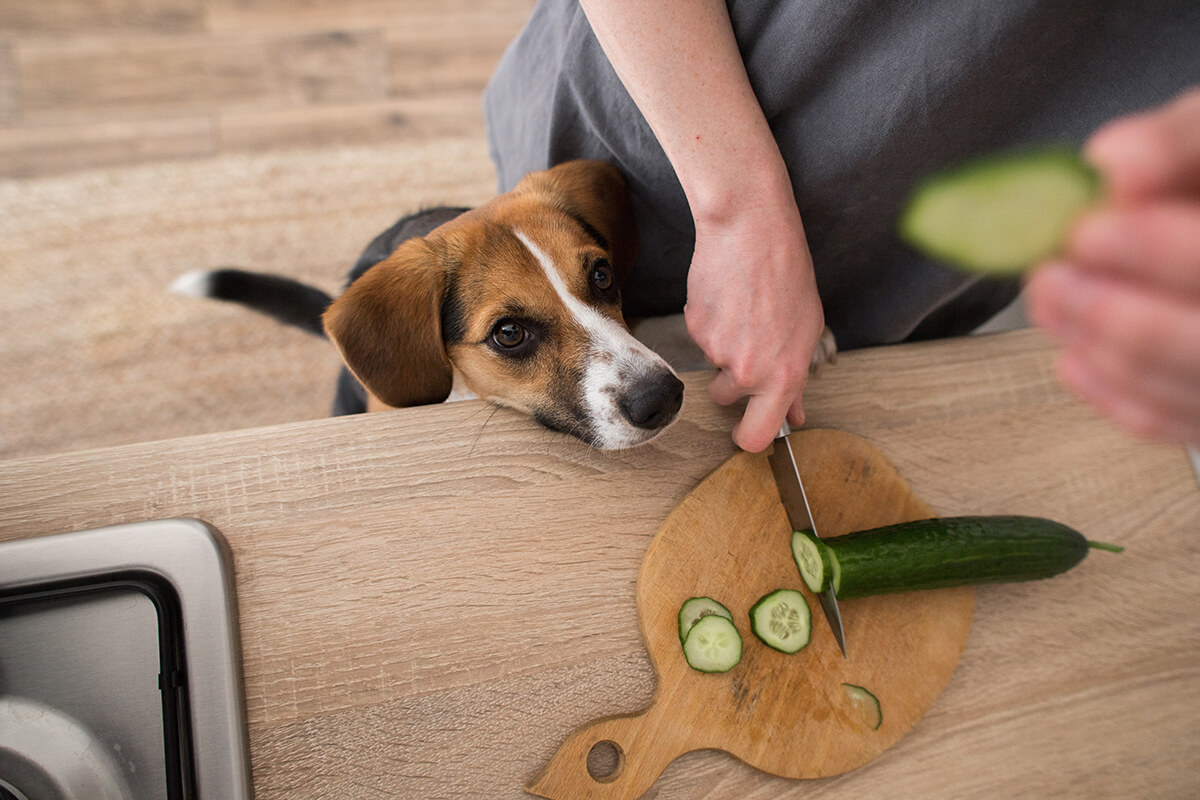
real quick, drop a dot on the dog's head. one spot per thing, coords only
(519, 300)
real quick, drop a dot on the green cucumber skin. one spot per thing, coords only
(953, 551)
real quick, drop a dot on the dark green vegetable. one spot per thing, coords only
(953, 551)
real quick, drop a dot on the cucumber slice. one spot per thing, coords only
(1001, 214)
(814, 560)
(782, 620)
(865, 704)
(713, 645)
(695, 609)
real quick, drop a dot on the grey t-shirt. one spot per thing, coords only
(865, 98)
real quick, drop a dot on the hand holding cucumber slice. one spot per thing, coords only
(1000, 215)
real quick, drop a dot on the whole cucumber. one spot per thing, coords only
(954, 551)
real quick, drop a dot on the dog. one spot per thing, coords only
(516, 301)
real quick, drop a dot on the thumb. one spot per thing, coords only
(760, 423)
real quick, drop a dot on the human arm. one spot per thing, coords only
(752, 300)
(1124, 299)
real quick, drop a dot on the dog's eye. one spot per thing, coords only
(508, 334)
(602, 275)
(515, 337)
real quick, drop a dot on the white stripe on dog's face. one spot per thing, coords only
(615, 361)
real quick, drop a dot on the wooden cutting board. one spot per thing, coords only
(788, 715)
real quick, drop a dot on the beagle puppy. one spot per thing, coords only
(517, 302)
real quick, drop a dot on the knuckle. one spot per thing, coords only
(742, 374)
(791, 376)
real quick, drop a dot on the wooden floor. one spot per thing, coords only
(140, 139)
(92, 83)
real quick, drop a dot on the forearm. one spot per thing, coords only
(752, 302)
(680, 63)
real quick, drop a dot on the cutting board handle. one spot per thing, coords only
(645, 743)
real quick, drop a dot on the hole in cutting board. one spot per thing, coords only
(605, 761)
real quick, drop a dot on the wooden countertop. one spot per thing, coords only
(432, 599)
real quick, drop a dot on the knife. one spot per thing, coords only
(795, 503)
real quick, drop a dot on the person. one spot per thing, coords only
(1124, 298)
(769, 147)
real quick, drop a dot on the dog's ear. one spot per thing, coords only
(595, 193)
(387, 326)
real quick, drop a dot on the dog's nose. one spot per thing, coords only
(653, 401)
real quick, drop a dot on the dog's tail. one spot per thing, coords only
(284, 299)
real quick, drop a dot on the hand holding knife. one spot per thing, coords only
(795, 502)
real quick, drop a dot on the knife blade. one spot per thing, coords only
(795, 503)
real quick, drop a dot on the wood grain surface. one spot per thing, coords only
(431, 600)
(95, 350)
(86, 84)
(786, 714)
